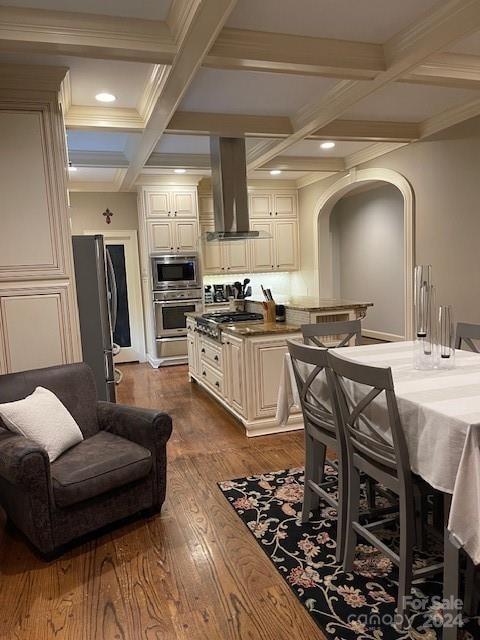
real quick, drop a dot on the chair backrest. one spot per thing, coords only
(73, 384)
(467, 333)
(312, 333)
(308, 364)
(383, 447)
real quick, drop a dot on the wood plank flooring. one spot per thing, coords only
(192, 573)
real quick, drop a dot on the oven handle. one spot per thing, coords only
(179, 303)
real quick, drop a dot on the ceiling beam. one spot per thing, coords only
(284, 53)
(226, 124)
(98, 159)
(86, 35)
(205, 25)
(104, 118)
(450, 22)
(305, 163)
(368, 130)
(178, 161)
(448, 70)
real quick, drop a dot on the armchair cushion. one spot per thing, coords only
(97, 465)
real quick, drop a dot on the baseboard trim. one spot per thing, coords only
(166, 362)
(380, 335)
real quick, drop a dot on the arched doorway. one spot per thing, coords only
(323, 254)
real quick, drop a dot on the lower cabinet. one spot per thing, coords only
(267, 365)
(193, 347)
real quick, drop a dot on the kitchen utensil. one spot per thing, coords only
(245, 283)
(248, 292)
(264, 292)
(237, 286)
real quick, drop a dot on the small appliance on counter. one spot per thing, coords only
(208, 294)
(223, 292)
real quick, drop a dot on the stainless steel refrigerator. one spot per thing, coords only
(96, 295)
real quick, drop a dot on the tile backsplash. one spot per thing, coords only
(279, 283)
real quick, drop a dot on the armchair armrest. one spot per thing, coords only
(23, 462)
(146, 427)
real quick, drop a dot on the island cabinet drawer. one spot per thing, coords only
(212, 377)
(212, 353)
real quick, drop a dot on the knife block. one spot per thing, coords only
(269, 313)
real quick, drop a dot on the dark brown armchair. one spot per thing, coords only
(118, 470)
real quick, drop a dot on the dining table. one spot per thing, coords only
(440, 414)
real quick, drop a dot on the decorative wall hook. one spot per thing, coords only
(108, 215)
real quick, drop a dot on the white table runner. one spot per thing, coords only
(440, 413)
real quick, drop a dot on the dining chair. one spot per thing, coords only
(379, 452)
(308, 364)
(348, 329)
(467, 333)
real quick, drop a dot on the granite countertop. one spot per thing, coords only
(244, 329)
(322, 304)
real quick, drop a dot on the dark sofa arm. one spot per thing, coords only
(23, 462)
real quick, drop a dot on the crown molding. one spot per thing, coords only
(145, 179)
(448, 70)
(371, 152)
(32, 77)
(65, 96)
(153, 89)
(312, 178)
(106, 118)
(83, 34)
(98, 159)
(450, 117)
(305, 163)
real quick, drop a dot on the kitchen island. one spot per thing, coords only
(310, 310)
(242, 370)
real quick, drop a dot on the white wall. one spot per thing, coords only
(367, 238)
(86, 210)
(444, 174)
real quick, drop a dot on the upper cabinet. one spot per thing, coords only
(170, 204)
(281, 204)
(274, 213)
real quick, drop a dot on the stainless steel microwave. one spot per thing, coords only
(175, 271)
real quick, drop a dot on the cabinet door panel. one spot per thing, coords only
(286, 245)
(211, 253)
(260, 205)
(158, 204)
(183, 205)
(285, 205)
(34, 331)
(235, 390)
(186, 236)
(235, 255)
(261, 250)
(162, 236)
(268, 363)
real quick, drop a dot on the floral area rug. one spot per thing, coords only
(345, 606)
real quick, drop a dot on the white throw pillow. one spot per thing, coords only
(44, 419)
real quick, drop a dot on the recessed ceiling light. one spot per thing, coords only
(275, 172)
(72, 168)
(105, 97)
(327, 145)
(180, 170)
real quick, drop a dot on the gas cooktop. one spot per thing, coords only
(210, 323)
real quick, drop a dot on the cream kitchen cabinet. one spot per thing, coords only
(278, 253)
(173, 235)
(266, 363)
(170, 204)
(224, 257)
(273, 205)
(235, 375)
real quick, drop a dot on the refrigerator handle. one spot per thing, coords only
(113, 290)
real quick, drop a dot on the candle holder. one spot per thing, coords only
(445, 356)
(424, 352)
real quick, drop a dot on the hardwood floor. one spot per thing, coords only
(192, 573)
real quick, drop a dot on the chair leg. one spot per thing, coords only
(315, 453)
(469, 599)
(352, 516)
(407, 540)
(421, 513)
(341, 513)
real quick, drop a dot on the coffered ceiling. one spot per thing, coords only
(286, 74)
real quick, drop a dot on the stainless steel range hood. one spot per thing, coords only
(230, 197)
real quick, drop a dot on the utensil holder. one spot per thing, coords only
(269, 312)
